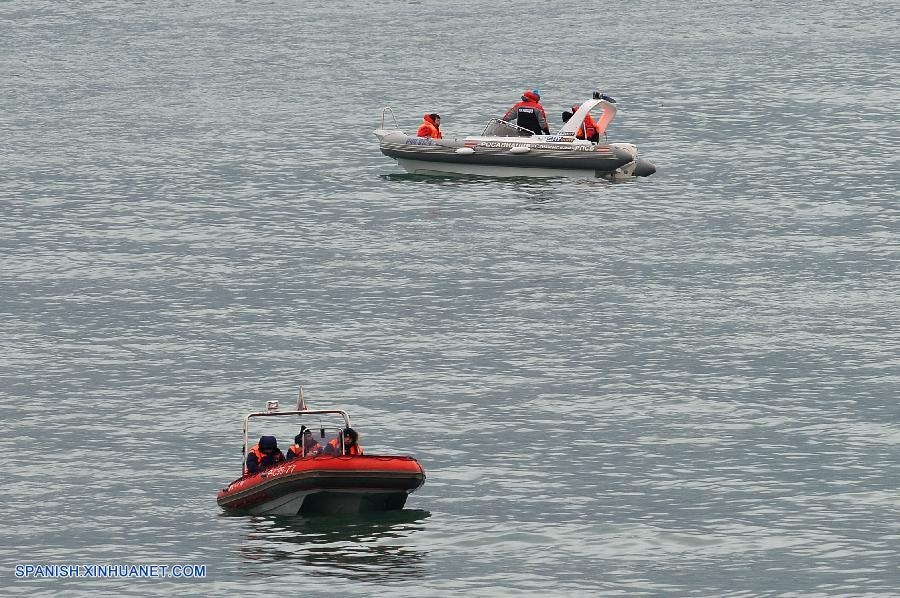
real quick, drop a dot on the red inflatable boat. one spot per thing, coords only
(321, 483)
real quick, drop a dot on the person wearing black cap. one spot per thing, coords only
(263, 454)
(305, 445)
(529, 114)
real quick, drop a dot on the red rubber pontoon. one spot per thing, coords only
(322, 483)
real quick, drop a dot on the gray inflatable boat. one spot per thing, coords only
(506, 150)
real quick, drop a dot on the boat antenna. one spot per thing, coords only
(301, 402)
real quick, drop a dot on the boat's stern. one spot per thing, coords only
(635, 165)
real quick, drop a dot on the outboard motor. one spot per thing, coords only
(644, 167)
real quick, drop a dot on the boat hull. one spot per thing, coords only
(325, 484)
(512, 157)
(444, 169)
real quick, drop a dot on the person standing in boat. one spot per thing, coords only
(529, 114)
(263, 455)
(305, 439)
(350, 441)
(430, 127)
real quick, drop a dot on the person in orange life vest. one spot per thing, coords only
(264, 454)
(430, 127)
(350, 441)
(305, 438)
(588, 129)
(529, 114)
(587, 126)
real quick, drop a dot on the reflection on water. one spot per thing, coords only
(534, 191)
(515, 181)
(400, 177)
(361, 546)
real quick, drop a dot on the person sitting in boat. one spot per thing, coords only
(529, 114)
(305, 445)
(588, 129)
(430, 127)
(350, 441)
(263, 455)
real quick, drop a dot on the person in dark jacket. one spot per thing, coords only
(430, 127)
(529, 114)
(264, 454)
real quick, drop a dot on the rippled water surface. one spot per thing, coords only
(680, 385)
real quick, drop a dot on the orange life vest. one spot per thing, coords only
(428, 129)
(588, 128)
(311, 451)
(354, 449)
(260, 456)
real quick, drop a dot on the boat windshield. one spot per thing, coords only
(502, 128)
(322, 438)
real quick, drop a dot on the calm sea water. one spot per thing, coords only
(682, 385)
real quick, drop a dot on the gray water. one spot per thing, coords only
(684, 385)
